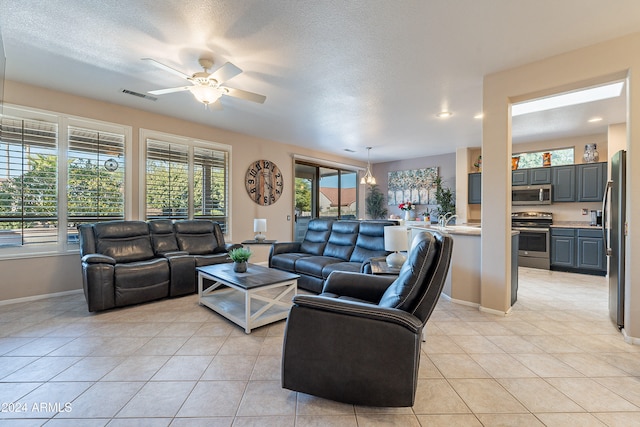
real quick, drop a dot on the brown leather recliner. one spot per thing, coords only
(359, 341)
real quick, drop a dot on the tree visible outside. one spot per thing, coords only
(563, 156)
(303, 196)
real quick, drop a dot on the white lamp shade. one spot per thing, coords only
(396, 238)
(259, 225)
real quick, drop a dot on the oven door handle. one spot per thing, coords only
(532, 230)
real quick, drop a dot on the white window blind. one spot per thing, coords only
(185, 180)
(28, 182)
(95, 177)
(167, 181)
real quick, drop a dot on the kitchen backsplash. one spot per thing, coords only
(562, 211)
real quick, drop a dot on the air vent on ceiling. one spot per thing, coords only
(139, 95)
(349, 150)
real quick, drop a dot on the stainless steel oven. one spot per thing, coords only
(534, 241)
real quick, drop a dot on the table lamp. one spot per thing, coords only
(260, 226)
(396, 239)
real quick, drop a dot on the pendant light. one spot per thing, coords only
(368, 176)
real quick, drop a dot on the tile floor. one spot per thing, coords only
(556, 361)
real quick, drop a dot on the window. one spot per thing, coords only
(57, 172)
(186, 179)
(559, 157)
(28, 182)
(95, 177)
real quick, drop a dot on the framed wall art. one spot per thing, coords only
(416, 186)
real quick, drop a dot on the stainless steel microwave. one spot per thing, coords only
(531, 195)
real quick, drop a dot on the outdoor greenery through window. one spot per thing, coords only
(564, 156)
(56, 172)
(186, 179)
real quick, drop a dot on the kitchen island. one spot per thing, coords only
(463, 283)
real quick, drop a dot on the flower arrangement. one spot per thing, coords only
(407, 206)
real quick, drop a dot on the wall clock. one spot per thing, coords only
(264, 182)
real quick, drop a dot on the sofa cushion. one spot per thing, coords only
(341, 266)
(342, 240)
(313, 265)
(316, 236)
(124, 241)
(137, 282)
(287, 261)
(370, 242)
(163, 238)
(404, 291)
(196, 237)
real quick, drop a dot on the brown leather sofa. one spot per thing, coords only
(129, 262)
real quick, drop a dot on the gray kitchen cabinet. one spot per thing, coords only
(578, 249)
(534, 176)
(563, 179)
(563, 252)
(591, 181)
(475, 188)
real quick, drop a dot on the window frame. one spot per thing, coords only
(191, 143)
(62, 246)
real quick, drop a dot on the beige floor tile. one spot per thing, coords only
(326, 421)
(546, 365)
(229, 367)
(8, 365)
(590, 365)
(486, 396)
(158, 399)
(42, 369)
(120, 346)
(552, 344)
(440, 344)
(89, 369)
(266, 421)
(570, 419)
(198, 345)
(509, 420)
(514, 344)
(427, 369)
(13, 392)
(39, 347)
(628, 387)
(502, 366)
(161, 346)
(183, 368)
(458, 366)
(49, 399)
(78, 422)
(102, 400)
(140, 422)
(537, 395)
(450, 328)
(267, 398)
(136, 368)
(213, 399)
(246, 345)
(619, 419)
(376, 420)
(267, 368)
(438, 397)
(592, 396)
(449, 420)
(179, 329)
(476, 344)
(202, 422)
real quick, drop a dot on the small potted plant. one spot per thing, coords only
(240, 256)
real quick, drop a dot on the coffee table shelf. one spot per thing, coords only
(258, 297)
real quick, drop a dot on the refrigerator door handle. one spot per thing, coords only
(605, 199)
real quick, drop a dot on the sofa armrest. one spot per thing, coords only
(365, 287)
(284, 247)
(98, 259)
(228, 247)
(359, 309)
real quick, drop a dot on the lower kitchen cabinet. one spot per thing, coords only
(578, 250)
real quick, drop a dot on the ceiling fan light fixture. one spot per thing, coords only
(368, 177)
(206, 94)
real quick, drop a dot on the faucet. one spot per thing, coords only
(442, 222)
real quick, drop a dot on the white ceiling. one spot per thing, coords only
(337, 74)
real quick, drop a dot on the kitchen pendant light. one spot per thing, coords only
(368, 176)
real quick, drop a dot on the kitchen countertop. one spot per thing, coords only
(575, 224)
(472, 229)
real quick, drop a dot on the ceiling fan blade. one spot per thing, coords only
(243, 94)
(167, 68)
(169, 90)
(226, 72)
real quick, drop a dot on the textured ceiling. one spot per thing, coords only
(337, 74)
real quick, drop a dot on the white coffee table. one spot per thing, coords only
(258, 297)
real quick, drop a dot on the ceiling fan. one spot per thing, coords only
(207, 87)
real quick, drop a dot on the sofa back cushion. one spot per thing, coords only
(163, 239)
(197, 236)
(370, 242)
(125, 241)
(342, 239)
(422, 277)
(316, 237)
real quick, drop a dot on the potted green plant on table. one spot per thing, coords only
(444, 198)
(240, 256)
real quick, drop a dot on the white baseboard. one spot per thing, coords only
(629, 339)
(39, 297)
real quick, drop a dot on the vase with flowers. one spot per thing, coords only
(407, 207)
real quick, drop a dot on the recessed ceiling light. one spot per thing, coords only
(595, 119)
(444, 114)
(478, 116)
(598, 93)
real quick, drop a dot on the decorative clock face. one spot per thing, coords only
(264, 182)
(111, 165)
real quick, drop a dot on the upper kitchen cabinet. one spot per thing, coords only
(563, 179)
(591, 181)
(535, 176)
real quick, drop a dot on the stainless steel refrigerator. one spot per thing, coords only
(614, 223)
